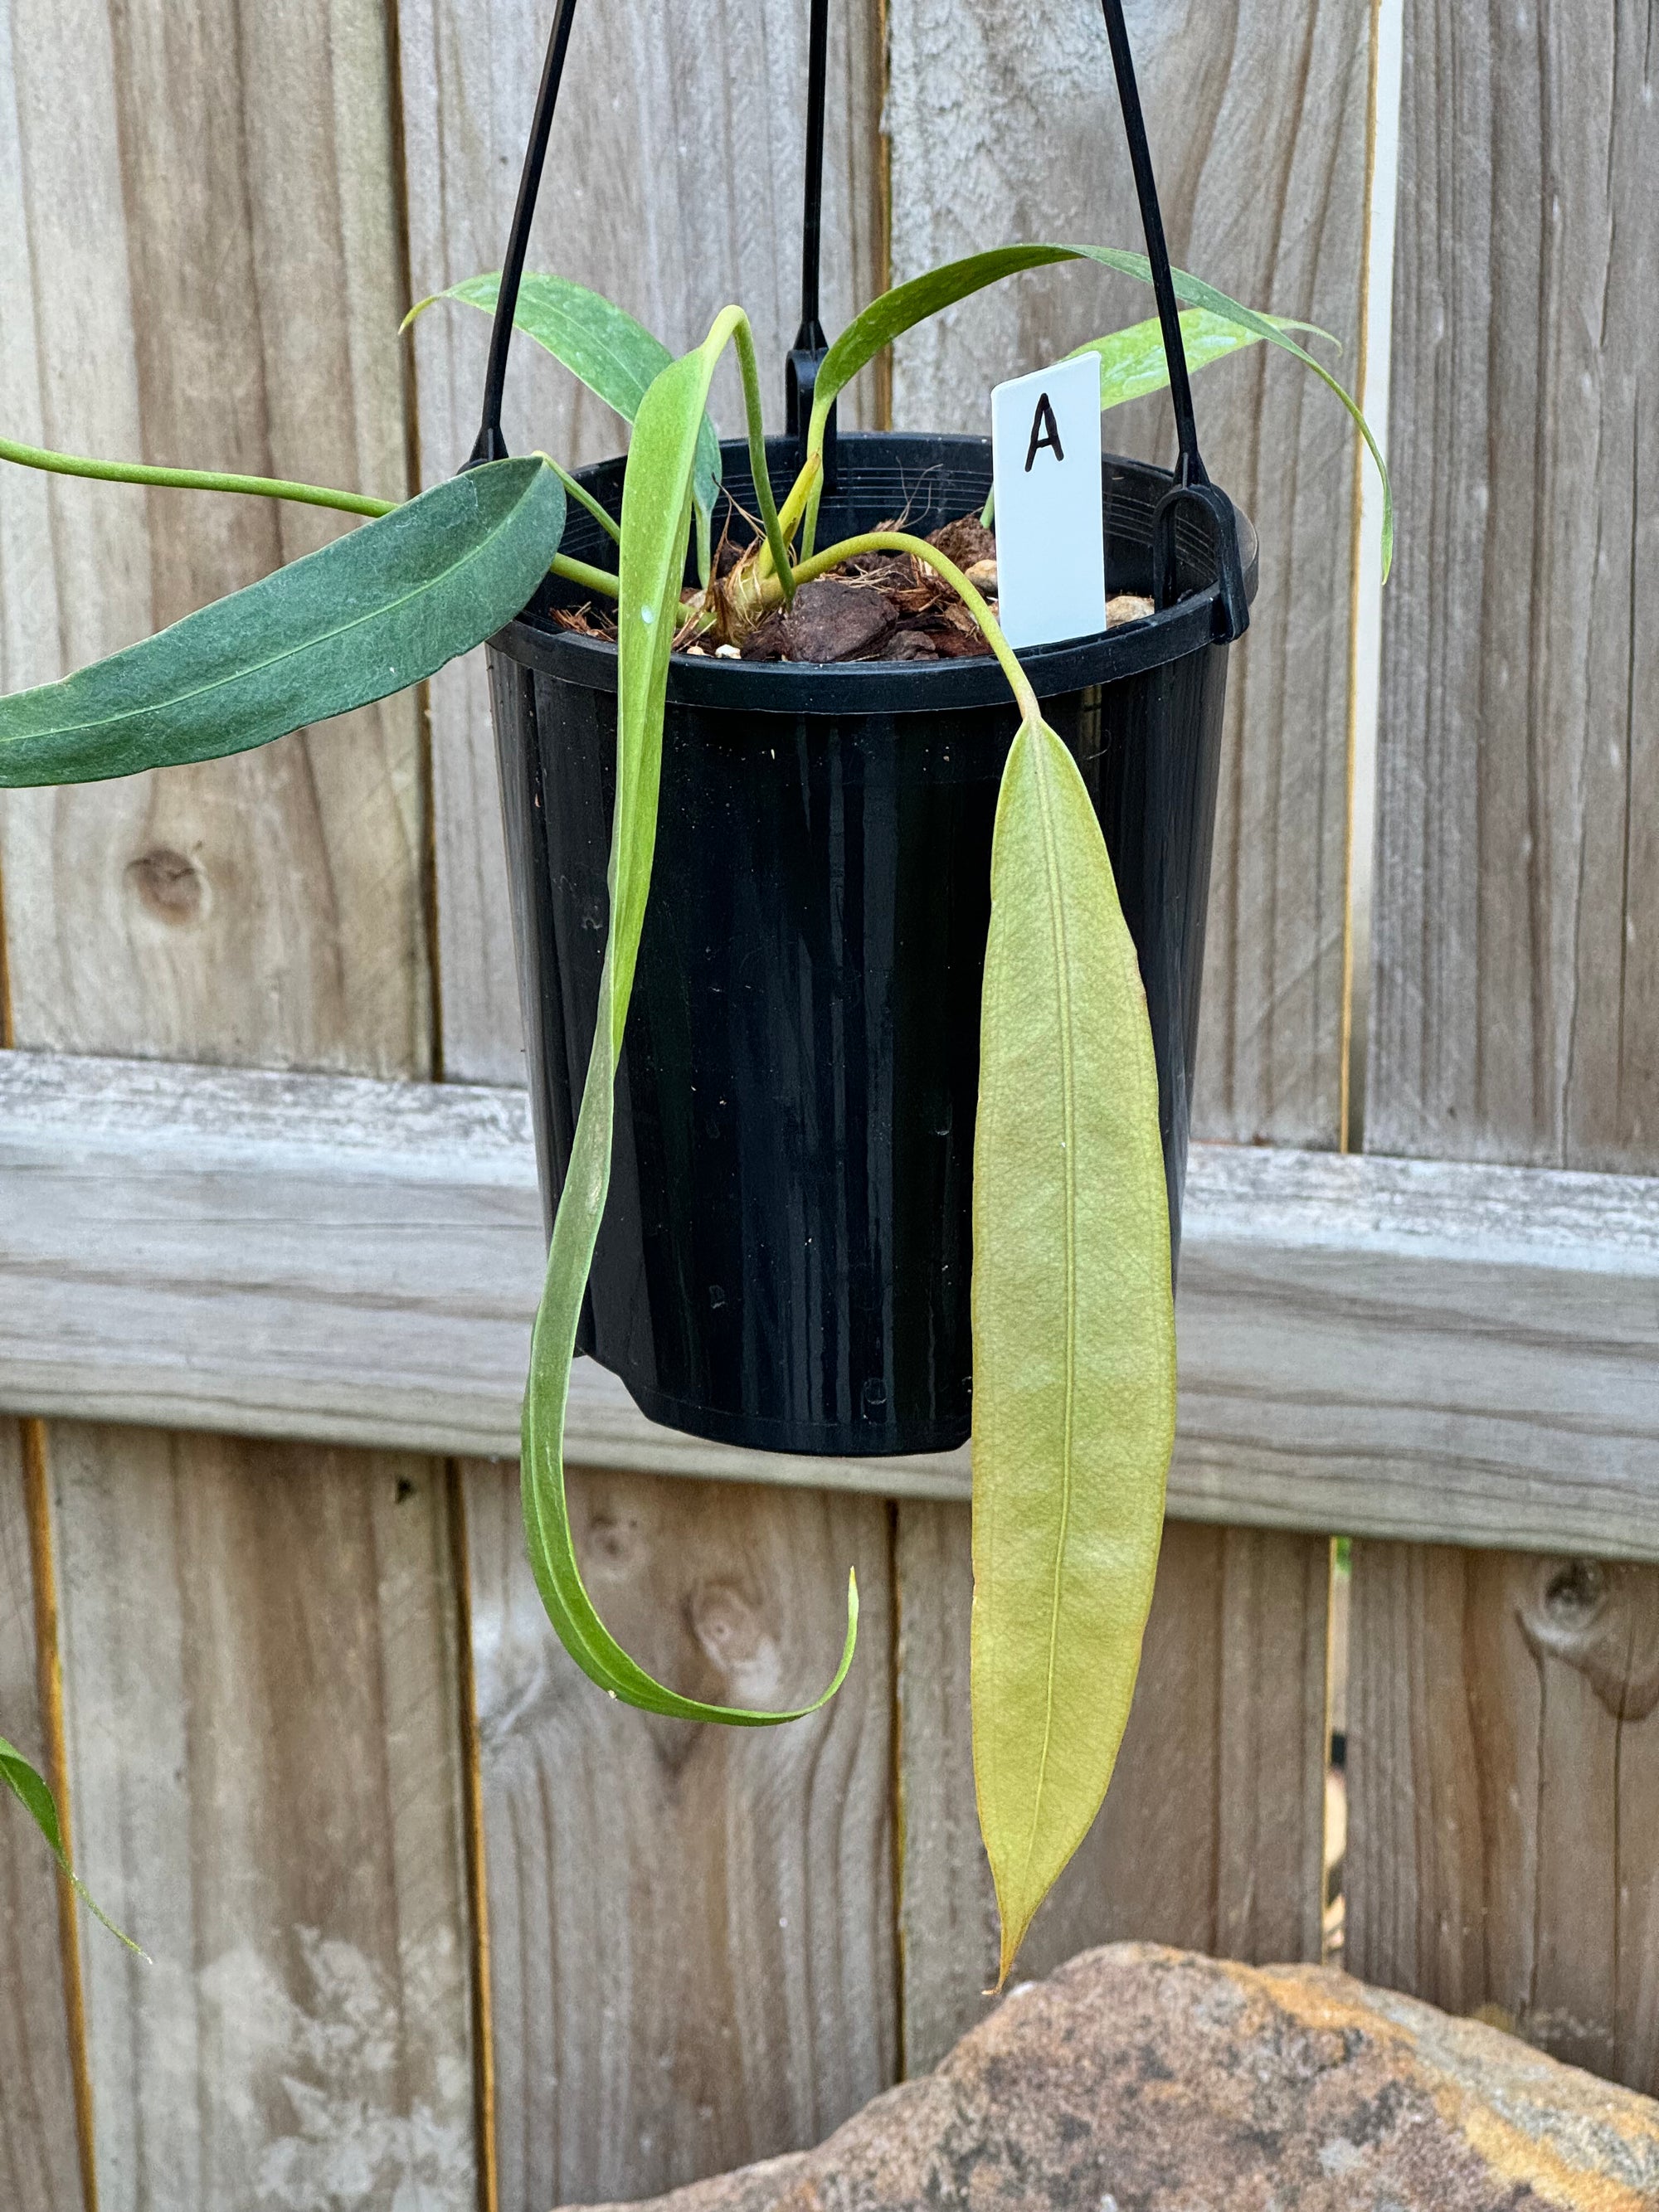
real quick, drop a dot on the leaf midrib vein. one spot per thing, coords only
(1045, 815)
(259, 668)
(484, 294)
(603, 348)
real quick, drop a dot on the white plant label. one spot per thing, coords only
(1045, 458)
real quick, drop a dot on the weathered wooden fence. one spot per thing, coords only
(433, 1924)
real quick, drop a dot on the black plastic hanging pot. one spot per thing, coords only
(785, 1257)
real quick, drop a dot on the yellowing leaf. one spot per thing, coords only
(1074, 1332)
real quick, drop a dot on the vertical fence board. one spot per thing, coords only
(690, 1927)
(638, 2030)
(204, 269)
(1213, 1832)
(259, 1647)
(1503, 1759)
(996, 137)
(39, 2159)
(204, 262)
(1516, 994)
(1505, 1770)
(673, 186)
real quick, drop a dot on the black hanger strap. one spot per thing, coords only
(1191, 469)
(810, 341)
(489, 444)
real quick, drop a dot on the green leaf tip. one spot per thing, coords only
(1074, 1332)
(1194, 292)
(656, 521)
(32, 1793)
(376, 610)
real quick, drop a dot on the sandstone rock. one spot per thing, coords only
(1143, 2079)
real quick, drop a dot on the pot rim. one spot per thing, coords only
(882, 687)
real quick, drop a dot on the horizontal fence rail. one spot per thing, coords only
(1383, 1347)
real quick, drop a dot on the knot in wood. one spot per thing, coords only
(171, 885)
(737, 1639)
(1602, 1621)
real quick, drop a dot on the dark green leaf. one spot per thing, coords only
(365, 616)
(656, 521)
(616, 358)
(32, 1793)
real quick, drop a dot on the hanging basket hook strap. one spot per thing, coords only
(1191, 469)
(490, 446)
(801, 368)
(1192, 494)
(1192, 478)
(817, 47)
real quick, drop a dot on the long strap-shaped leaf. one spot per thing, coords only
(1132, 362)
(906, 305)
(600, 344)
(370, 614)
(656, 523)
(31, 1794)
(1073, 1331)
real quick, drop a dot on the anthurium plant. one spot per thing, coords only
(1073, 1325)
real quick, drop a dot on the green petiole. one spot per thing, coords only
(738, 330)
(583, 497)
(899, 541)
(574, 572)
(577, 572)
(136, 473)
(304, 495)
(794, 505)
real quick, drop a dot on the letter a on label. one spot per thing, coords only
(1045, 449)
(1045, 431)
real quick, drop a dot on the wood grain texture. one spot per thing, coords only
(201, 263)
(1504, 1763)
(1391, 1347)
(204, 263)
(39, 2158)
(673, 186)
(1505, 1771)
(259, 1648)
(1212, 1832)
(691, 1928)
(1516, 983)
(1257, 113)
(996, 137)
